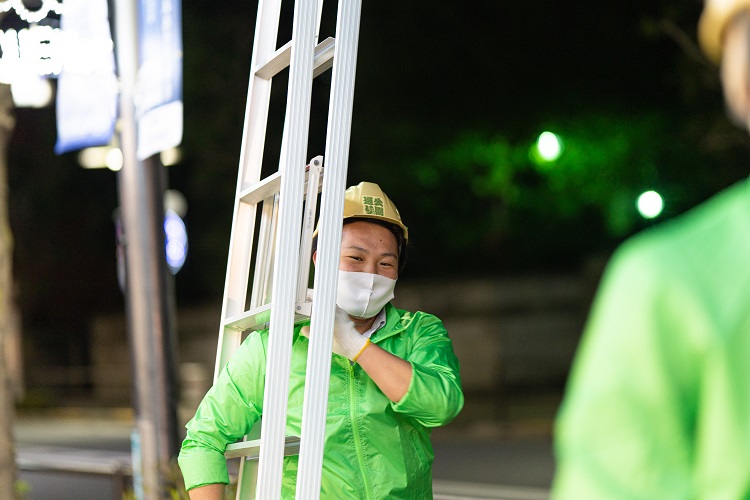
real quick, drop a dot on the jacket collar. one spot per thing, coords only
(396, 321)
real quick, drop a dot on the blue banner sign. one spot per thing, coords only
(158, 92)
(87, 84)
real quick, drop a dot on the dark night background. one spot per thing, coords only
(449, 97)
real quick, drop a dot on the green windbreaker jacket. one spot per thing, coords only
(374, 448)
(658, 402)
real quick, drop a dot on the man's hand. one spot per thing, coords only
(735, 69)
(347, 341)
(390, 373)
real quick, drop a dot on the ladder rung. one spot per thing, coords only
(258, 318)
(251, 449)
(266, 188)
(280, 59)
(262, 190)
(323, 60)
(249, 320)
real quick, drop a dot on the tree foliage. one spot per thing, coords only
(491, 197)
(641, 111)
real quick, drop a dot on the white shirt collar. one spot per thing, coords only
(377, 324)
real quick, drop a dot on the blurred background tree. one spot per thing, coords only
(448, 108)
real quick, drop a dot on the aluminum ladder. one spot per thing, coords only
(271, 236)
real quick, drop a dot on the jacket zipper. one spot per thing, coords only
(355, 430)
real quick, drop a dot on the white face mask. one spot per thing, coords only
(363, 295)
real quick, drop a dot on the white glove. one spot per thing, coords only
(347, 341)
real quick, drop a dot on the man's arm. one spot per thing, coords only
(228, 411)
(390, 373)
(426, 382)
(207, 492)
(435, 397)
(624, 429)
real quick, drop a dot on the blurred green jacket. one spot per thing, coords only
(658, 401)
(374, 448)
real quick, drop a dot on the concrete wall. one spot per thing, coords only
(515, 332)
(197, 336)
(508, 333)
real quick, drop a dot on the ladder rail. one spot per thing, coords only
(259, 92)
(243, 215)
(315, 169)
(262, 285)
(318, 17)
(294, 150)
(315, 403)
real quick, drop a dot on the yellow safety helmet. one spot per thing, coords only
(367, 201)
(716, 15)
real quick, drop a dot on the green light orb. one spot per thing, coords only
(549, 146)
(650, 204)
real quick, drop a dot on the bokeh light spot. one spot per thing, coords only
(549, 146)
(176, 241)
(650, 204)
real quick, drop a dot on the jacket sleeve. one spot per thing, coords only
(626, 425)
(714, 19)
(225, 415)
(434, 396)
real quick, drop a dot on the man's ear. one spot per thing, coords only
(315, 257)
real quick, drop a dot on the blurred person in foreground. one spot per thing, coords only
(394, 376)
(658, 402)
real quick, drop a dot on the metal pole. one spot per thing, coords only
(141, 192)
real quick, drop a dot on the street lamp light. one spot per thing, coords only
(547, 149)
(110, 157)
(31, 91)
(549, 146)
(650, 204)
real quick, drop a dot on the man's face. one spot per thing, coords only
(369, 248)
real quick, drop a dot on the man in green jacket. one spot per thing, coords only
(394, 376)
(658, 402)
